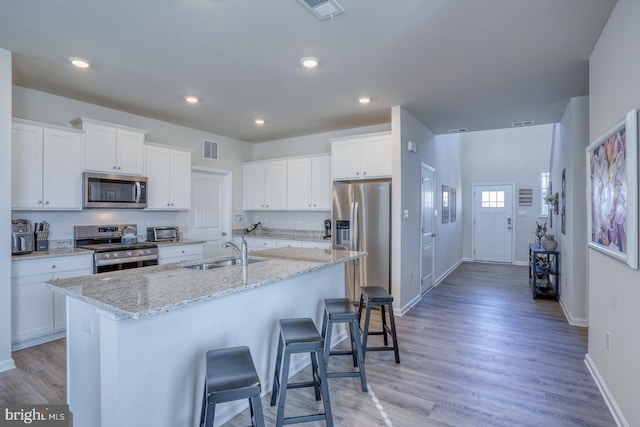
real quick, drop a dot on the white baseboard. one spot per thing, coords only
(573, 321)
(20, 345)
(448, 272)
(606, 394)
(7, 365)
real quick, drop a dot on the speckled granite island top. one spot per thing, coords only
(143, 292)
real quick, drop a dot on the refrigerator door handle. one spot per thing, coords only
(356, 227)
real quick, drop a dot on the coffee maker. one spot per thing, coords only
(21, 236)
(327, 228)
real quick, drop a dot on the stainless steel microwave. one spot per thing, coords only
(111, 191)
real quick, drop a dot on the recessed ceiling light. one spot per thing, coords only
(80, 62)
(259, 121)
(309, 62)
(191, 99)
(364, 100)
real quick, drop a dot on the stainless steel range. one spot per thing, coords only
(115, 247)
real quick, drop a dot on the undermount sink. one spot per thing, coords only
(210, 265)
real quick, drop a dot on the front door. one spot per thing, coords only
(493, 223)
(427, 224)
(210, 214)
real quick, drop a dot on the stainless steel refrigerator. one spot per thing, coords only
(362, 222)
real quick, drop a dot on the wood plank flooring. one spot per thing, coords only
(476, 351)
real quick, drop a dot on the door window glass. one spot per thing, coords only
(493, 199)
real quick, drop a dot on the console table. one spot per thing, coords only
(544, 272)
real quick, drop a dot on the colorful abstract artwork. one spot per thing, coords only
(613, 199)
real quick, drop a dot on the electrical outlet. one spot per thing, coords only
(87, 326)
(607, 343)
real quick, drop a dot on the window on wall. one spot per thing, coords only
(493, 199)
(545, 178)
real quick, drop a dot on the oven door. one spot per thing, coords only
(123, 266)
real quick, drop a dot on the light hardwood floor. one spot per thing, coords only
(476, 351)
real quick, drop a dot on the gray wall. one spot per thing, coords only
(614, 288)
(5, 209)
(510, 156)
(407, 188)
(572, 137)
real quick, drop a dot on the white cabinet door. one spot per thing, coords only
(112, 149)
(129, 151)
(180, 190)
(47, 166)
(275, 185)
(26, 166)
(257, 243)
(299, 184)
(36, 310)
(31, 307)
(158, 161)
(179, 253)
(62, 166)
(345, 157)
(375, 156)
(321, 183)
(168, 174)
(361, 157)
(265, 185)
(101, 145)
(254, 186)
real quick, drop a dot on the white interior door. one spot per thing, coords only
(493, 223)
(210, 214)
(427, 246)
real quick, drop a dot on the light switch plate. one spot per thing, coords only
(405, 215)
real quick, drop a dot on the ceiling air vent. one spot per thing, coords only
(524, 123)
(210, 149)
(322, 9)
(459, 130)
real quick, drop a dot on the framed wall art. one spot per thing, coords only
(612, 192)
(445, 204)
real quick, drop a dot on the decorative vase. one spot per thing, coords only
(549, 243)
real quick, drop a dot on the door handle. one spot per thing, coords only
(224, 233)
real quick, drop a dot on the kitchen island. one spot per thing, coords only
(136, 339)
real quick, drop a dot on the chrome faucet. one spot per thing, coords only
(241, 252)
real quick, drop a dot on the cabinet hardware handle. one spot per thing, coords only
(46, 203)
(53, 266)
(39, 202)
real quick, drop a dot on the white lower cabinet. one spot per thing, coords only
(180, 253)
(288, 243)
(38, 314)
(257, 243)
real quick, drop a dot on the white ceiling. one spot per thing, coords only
(476, 64)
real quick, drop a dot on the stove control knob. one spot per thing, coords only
(129, 253)
(107, 256)
(115, 254)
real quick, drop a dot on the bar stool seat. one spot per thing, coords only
(341, 310)
(377, 296)
(300, 336)
(231, 375)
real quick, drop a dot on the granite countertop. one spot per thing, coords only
(51, 253)
(143, 292)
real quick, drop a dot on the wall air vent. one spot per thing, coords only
(210, 149)
(322, 9)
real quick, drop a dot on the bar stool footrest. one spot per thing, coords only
(303, 419)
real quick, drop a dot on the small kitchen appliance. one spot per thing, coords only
(21, 236)
(163, 234)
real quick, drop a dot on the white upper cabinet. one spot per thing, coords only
(46, 164)
(112, 148)
(309, 183)
(361, 157)
(168, 172)
(265, 185)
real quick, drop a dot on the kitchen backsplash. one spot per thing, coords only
(288, 220)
